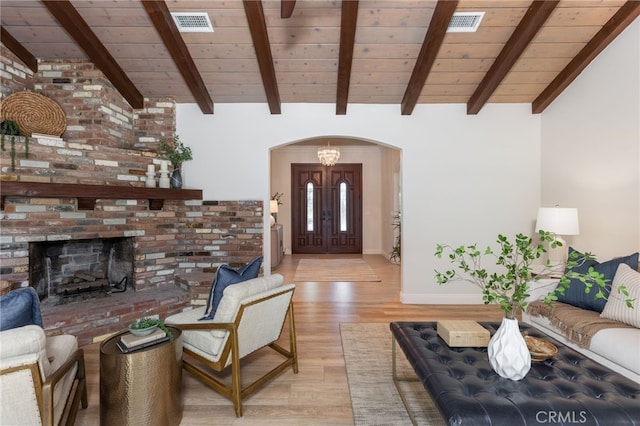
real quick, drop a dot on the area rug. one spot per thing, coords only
(374, 397)
(354, 270)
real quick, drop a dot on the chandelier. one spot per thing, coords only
(328, 155)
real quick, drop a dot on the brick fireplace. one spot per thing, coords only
(183, 238)
(110, 145)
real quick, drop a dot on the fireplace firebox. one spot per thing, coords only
(73, 270)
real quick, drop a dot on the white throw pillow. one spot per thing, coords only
(616, 307)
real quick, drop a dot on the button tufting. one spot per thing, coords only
(568, 386)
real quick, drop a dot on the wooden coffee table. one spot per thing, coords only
(568, 388)
(141, 387)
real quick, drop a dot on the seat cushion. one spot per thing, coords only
(226, 276)
(575, 295)
(20, 307)
(205, 343)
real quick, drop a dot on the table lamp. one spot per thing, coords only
(273, 207)
(558, 221)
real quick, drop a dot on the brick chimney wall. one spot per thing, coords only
(109, 143)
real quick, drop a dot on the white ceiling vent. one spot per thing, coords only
(466, 22)
(192, 22)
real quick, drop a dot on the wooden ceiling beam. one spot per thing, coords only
(79, 30)
(430, 46)
(258, 27)
(537, 14)
(173, 41)
(348, 23)
(286, 8)
(609, 31)
(19, 50)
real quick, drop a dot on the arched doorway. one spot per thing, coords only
(381, 171)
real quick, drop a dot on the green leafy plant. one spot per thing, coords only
(510, 288)
(177, 153)
(10, 127)
(278, 197)
(394, 256)
(146, 322)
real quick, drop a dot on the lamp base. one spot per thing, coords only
(557, 256)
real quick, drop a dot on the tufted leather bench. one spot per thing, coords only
(567, 389)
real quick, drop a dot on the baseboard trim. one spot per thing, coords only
(440, 299)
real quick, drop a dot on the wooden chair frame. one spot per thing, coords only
(235, 392)
(45, 390)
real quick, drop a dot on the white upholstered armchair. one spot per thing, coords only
(251, 316)
(42, 379)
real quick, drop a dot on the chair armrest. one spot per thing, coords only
(49, 386)
(7, 365)
(64, 368)
(229, 326)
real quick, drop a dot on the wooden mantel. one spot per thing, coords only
(88, 194)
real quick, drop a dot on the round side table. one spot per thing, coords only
(142, 387)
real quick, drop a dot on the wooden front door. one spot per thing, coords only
(326, 207)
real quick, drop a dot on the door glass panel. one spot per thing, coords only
(309, 207)
(343, 207)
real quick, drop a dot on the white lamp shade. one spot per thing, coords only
(273, 206)
(558, 220)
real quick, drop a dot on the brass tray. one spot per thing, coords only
(539, 349)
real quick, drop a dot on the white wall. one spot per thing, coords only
(464, 178)
(591, 150)
(390, 171)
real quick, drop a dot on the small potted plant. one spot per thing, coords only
(10, 127)
(145, 325)
(394, 256)
(177, 153)
(509, 288)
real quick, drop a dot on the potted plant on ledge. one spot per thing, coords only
(507, 350)
(177, 153)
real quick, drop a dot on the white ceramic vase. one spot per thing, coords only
(508, 353)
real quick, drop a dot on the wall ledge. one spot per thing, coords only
(88, 194)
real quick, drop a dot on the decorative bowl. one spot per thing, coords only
(539, 349)
(142, 331)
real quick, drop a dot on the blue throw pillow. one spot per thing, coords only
(20, 307)
(226, 276)
(575, 295)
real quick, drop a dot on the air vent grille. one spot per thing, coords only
(467, 22)
(192, 22)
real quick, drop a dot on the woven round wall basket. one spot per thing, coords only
(34, 113)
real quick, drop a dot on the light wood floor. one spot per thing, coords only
(319, 394)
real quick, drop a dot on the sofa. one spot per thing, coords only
(604, 329)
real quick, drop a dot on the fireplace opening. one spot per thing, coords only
(75, 270)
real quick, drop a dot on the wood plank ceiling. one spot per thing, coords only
(319, 51)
